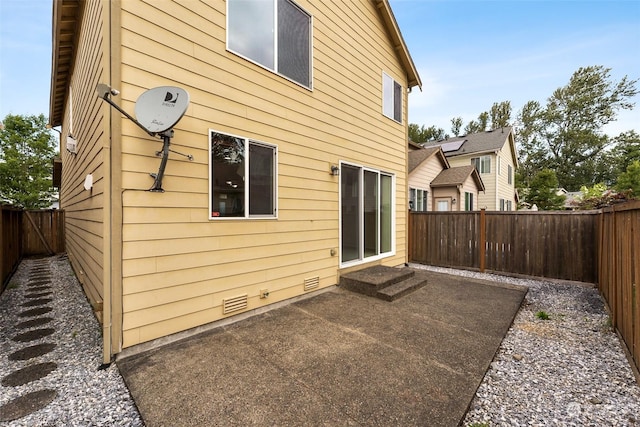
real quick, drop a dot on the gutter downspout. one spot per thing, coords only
(106, 222)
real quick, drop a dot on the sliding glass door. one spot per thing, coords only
(366, 213)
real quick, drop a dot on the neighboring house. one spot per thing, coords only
(572, 198)
(436, 186)
(493, 153)
(299, 168)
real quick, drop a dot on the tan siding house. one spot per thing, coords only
(435, 185)
(299, 155)
(494, 155)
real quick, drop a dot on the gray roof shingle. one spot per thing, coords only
(476, 142)
(457, 176)
(416, 157)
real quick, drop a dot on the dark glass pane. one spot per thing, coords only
(227, 175)
(350, 216)
(261, 180)
(397, 102)
(386, 212)
(293, 42)
(370, 213)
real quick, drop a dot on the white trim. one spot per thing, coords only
(247, 215)
(361, 259)
(393, 82)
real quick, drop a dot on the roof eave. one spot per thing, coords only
(413, 78)
(64, 22)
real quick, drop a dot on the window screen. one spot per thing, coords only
(293, 42)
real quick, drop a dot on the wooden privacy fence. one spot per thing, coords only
(619, 270)
(601, 247)
(547, 244)
(11, 244)
(26, 233)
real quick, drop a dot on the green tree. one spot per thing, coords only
(423, 134)
(26, 151)
(543, 191)
(476, 126)
(626, 150)
(456, 125)
(566, 134)
(500, 114)
(629, 180)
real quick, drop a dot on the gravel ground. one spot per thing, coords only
(86, 396)
(568, 370)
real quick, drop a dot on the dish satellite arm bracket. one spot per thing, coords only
(104, 91)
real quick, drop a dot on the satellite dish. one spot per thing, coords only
(160, 108)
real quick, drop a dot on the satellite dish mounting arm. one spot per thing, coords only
(157, 177)
(162, 128)
(104, 91)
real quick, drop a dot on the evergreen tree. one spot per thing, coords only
(26, 152)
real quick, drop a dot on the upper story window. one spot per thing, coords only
(273, 33)
(482, 164)
(242, 174)
(509, 174)
(391, 98)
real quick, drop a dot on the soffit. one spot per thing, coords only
(66, 14)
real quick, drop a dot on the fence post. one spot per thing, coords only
(409, 239)
(483, 238)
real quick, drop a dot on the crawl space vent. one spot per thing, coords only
(311, 283)
(229, 305)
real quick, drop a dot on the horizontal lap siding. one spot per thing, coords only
(177, 264)
(84, 209)
(422, 176)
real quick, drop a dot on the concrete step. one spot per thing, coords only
(370, 280)
(386, 283)
(400, 289)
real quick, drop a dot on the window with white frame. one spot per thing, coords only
(468, 201)
(391, 98)
(502, 204)
(509, 174)
(482, 164)
(509, 205)
(418, 200)
(242, 175)
(273, 33)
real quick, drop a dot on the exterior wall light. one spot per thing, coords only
(335, 170)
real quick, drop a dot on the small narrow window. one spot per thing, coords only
(509, 174)
(391, 98)
(468, 201)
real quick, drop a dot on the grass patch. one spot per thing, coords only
(542, 315)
